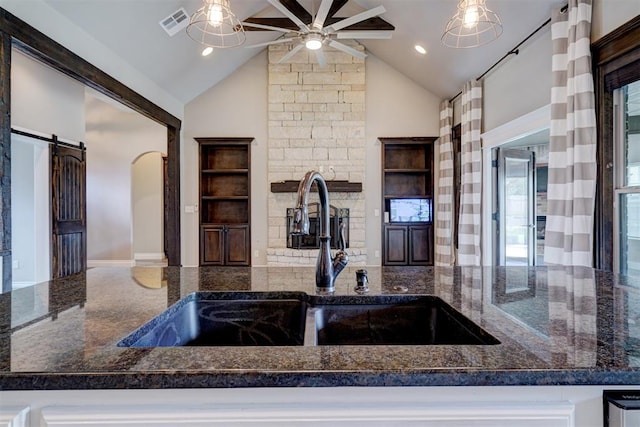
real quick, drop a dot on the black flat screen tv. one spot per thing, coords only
(410, 210)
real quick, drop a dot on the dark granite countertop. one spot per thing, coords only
(557, 326)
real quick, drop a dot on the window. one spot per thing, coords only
(627, 179)
(616, 59)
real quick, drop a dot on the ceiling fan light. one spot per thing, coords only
(215, 25)
(474, 24)
(313, 41)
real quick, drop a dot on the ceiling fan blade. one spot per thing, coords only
(355, 19)
(381, 35)
(269, 43)
(351, 51)
(322, 61)
(269, 27)
(292, 52)
(286, 12)
(321, 16)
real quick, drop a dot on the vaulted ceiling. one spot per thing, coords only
(131, 29)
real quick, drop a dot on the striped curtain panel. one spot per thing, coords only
(444, 252)
(572, 147)
(572, 316)
(471, 179)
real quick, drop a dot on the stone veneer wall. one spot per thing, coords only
(316, 121)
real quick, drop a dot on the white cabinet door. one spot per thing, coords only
(325, 414)
(14, 416)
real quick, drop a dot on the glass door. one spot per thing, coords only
(627, 178)
(516, 207)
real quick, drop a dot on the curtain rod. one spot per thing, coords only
(52, 140)
(515, 50)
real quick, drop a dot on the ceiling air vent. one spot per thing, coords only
(175, 22)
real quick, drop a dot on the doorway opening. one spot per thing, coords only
(520, 200)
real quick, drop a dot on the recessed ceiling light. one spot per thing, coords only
(421, 50)
(207, 51)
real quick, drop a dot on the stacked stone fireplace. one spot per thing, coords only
(316, 121)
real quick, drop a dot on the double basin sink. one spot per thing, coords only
(296, 319)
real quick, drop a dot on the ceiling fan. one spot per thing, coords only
(302, 30)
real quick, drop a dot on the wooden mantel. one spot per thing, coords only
(333, 187)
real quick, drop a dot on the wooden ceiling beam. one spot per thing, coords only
(336, 6)
(376, 24)
(298, 10)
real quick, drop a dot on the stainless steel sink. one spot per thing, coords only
(233, 319)
(394, 320)
(294, 319)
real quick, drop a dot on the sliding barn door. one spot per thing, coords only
(68, 204)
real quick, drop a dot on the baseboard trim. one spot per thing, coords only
(148, 256)
(110, 263)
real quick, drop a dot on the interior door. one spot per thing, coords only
(68, 210)
(516, 207)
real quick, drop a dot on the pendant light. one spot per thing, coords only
(215, 25)
(473, 25)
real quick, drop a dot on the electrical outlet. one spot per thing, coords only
(256, 254)
(377, 254)
(16, 265)
(321, 168)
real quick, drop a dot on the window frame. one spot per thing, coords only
(616, 62)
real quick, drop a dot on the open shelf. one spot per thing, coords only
(225, 201)
(407, 173)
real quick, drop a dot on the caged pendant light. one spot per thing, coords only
(215, 25)
(473, 25)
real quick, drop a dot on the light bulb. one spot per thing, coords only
(313, 44)
(207, 51)
(313, 41)
(215, 15)
(421, 50)
(471, 16)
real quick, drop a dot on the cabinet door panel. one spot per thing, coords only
(420, 249)
(212, 246)
(395, 248)
(238, 244)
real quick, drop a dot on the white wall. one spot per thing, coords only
(49, 21)
(610, 14)
(238, 107)
(522, 83)
(235, 107)
(30, 211)
(115, 137)
(44, 100)
(147, 204)
(396, 107)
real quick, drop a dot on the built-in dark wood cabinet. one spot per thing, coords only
(407, 200)
(225, 201)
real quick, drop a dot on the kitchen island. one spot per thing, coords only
(575, 327)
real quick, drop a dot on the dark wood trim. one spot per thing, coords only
(5, 159)
(224, 141)
(332, 186)
(173, 196)
(39, 46)
(612, 52)
(375, 24)
(408, 139)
